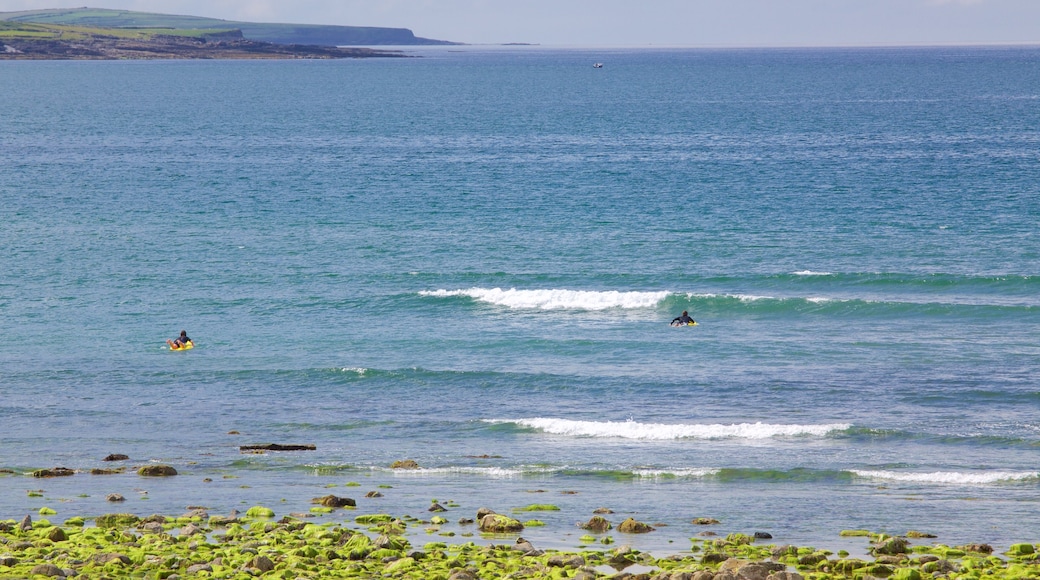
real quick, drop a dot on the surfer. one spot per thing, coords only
(180, 342)
(683, 319)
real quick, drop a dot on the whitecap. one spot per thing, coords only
(661, 431)
(557, 299)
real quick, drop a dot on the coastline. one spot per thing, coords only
(350, 545)
(335, 538)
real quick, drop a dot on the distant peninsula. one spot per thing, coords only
(103, 34)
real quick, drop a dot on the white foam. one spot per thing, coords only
(811, 273)
(949, 477)
(690, 473)
(660, 431)
(556, 299)
(490, 472)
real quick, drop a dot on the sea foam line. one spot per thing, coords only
(556, 299)
(660, 431)
(949, 477)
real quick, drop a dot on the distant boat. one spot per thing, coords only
(598, 65)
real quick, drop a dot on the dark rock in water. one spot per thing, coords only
(277, 447)
(157, 471)
(97, 471)
(707, 534)
(763, 536)
(115, 497)
(597, 524)
(481, 512)
(602, 510)
(436, 507)
(404, 464)
(56, 472)
(333, 501)
(116, 457)
(916, 534)
(705, 521)
(631, 526)
(373, 494)
(978, 548)
(465, 521)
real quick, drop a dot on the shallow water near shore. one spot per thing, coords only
(470, 259)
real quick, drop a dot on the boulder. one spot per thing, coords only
(499, 524)
(116, 457)
(334, 501)
(436, 507)
(114, 497)
(57, 534)
(890, 546)
(262, 563)
(110, 557)
(602, 510)
(55, 472)
(705, 521)
(597, 524)
(47, 570)
(157, 471)
(404, 464)
(481, 512)
(26, 524)
(631, 526)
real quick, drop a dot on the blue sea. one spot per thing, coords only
(470, 258)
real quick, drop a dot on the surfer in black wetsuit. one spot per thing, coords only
(683, 319)
(180, 341)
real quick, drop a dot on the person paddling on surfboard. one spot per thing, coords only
(180, 342)
(683, 320)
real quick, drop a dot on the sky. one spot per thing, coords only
(623, 23)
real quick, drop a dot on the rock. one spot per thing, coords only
(785, 575)
(56, 472)
(334, 501)
(978, 548)
(116, 457)
(499, 524)
(373, 494)
(151, 527)
(404, 464)
(481, 512)
(114, 497)
(97, 471)
(107, 558)
(702, 575)
(157, 471)
(462, 575)
(8, 561)
(47, 570)
(763, 536)
(785, 550)
(706, 521)
(191, 530)
(916, 534)
(262, 563)
(26, 523)
(1016, 550)
(603, 510)
(278, 447)
(713, 558)
(57, 534)
(196, 568)
(755, 570)
(631, 526)
(436, 507)
(890, 546)
(597, 524)
(526, 548)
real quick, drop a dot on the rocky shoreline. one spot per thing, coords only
(101, 47)
(311, 545)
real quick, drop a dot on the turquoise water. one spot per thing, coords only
(470, 259)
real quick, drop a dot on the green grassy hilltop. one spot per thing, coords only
(310, 34)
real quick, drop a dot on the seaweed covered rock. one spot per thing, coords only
(157, 471)
(631, 526)
(333, 501)
(404, 464)
(597, 524)
(499, 524)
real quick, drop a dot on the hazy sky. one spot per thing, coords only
(635, 22)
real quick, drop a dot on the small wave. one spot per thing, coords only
(950, 477)
(556, 299)
(660, 431)
(675, 473)
(811, 273)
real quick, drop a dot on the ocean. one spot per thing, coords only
(470, 259)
